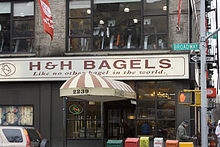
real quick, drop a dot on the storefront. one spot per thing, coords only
(156, 79)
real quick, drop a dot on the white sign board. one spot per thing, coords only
(116, 67)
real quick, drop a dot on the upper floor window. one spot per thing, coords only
(117, 25)
(16, 27)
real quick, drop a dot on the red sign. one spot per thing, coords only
(46, 17)
(211, 92)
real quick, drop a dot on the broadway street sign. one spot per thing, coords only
(186, 46)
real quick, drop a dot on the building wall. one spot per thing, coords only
(48, 114)
(44, 46)
(44, 96)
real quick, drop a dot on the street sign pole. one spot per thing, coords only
(203, 39)
(204, 128)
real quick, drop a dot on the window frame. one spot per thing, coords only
(11, 49)
(143, 34)
(156, 100)
(84, 119)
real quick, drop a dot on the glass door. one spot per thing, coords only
(120, 120)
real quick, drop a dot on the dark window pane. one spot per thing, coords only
(24, 28)
(94, 129)
(146, 90)
(117, 25)
(13, 135)
(166, 129)
(4, 32)
(80, 127)
(146, 109)
(146, 127)
(75, 129)
(23, 45)
(79, 44)
(155, 7)
(93, 110)
(80, 27)
(165, 109)
(155, 24)
(147, 113)
(162, 41)
(79, 8)
(150, 42)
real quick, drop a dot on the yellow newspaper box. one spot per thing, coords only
(144, 141)
(185, 144)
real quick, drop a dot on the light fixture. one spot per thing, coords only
(135, 20)
(101, 22)
(88, 11)
(91, 103)
(165, 8)
(126, 10)
(131, 117)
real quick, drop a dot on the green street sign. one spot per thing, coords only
(213, 36)
(186, 46)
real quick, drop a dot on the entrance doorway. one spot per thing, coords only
(120, 120)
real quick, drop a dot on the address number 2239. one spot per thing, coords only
(80, 91)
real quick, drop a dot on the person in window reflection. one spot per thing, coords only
(5, 39)
(181, 134)
(145, 128)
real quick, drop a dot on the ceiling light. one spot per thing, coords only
(165, 8)
(101, 22)
(88, 11)
(135, 20)
(126, 10)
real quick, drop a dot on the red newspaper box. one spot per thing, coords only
(172, 143)
(132, 142)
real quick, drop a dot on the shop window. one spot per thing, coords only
(16, 115)
(146, 127)
(79, 37)
(152, 7)
(83, 120)
(166, 109)
(156, 108)
(19, 38)
(80, 44)
(166, 129)
(117, 25)
(155, 31)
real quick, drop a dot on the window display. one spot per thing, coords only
(118, 25)
(83, 120)
(16, 115)
(156, 109)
